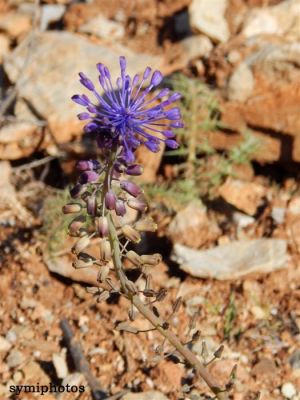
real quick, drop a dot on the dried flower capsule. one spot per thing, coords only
(137, 204)
(134, 258)
(75, 226)
(103, 296)
(103, 273)
(102, 226)
(72, 208)
(131, 188)
(110, 200)
(105, 250)
(131, 234)
(86, 257)
(120, 208)
(91, 205)
(81, 244)
(77, 190)
(134, 170)
(151, 259)
(146, 225)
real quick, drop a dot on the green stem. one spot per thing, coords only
(158, 322)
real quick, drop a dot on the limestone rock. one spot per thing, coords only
(15, 24)
(241, 83)
(196, 46)
(245, 196)
(103, 28)
(207, 17)
(191, 227)
(49, 85)
(233, 260)
(282, 20)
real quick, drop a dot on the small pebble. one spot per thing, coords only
(5, 345)
(14, 359)
(288, 390)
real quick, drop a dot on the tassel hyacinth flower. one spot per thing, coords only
(121, 120)
(126, 115)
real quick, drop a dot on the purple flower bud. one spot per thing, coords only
(110, 200)
(81, 100)
(102, 226)
(85, 81)
(131, 188)
(177, 124)
(163, 93)
(89, 165)
(77, 190)
(123, 65)
(152, 146)
(172, 144)
(120, 208)
(173, 113)
(89, 176)
(169, 134)
(134, 170)
(83, 116)
(147, 73)
(91, 205)
(156, 78)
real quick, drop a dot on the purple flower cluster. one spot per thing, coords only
(126, 116)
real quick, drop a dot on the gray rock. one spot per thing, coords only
(153, 395)
(233, 260)
(288, 390)
(282, 20)
(208, 17)
(278, 214)
(294, 360)
(196, 46)
(14, 358)
(241, 83)
(103, 28)
(60, 365)
(51, 13)
(5, 345)
(51, 76)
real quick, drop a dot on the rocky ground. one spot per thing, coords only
(230, 248)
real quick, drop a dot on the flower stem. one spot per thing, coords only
(157, 323)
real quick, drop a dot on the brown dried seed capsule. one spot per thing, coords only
(177, 304)
(151, 259)
(74, 228)
(134, 258)
(137, 204)
(103, 296)
(161, 295)
(219, 351)
(131, 234)
(146, 225)
(103, 274)
(72, 208)
(105, 250)
(81, 244)
(102, 226)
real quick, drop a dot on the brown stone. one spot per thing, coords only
(245, 196)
